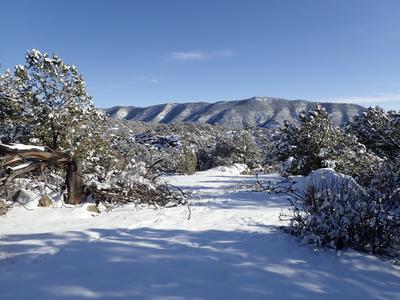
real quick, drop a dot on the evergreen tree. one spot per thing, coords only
(315, 143)
(378, 130)
(57, 106)
(11, 110)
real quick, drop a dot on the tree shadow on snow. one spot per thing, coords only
(232, 197)
(177, 264)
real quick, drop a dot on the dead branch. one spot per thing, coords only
(158, 195)
(19, 162)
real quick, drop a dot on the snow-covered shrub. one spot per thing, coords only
(236, 147)
(378, 130)
(126, 172)
(132, 183)
(385, 184)
(212, 145)
(316, 143)
(326, 208)
(334, 211)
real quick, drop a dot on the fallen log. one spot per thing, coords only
(17, 160)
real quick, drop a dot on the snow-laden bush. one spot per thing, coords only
(378, 130)
(385, 185)
(230, 148)
(331, 209)
(316, 143)
(185, 147)
(132, 183)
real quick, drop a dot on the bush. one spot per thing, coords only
(378, 130)
(132, 183)
(186, 161)
(335, 211)
(315, 143)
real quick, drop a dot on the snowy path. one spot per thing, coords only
(229, 249)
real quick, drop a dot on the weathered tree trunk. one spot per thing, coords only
(27, 160)
(74, 183)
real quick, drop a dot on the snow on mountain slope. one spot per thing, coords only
(256, 111)
(230, 248)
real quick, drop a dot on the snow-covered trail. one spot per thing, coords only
(229, 249)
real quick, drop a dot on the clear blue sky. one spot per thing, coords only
(149, 52)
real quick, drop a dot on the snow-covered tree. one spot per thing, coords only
(316, 143)
(378, 130)
(11, 109)
(57, 105)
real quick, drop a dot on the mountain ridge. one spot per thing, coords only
(255, 111)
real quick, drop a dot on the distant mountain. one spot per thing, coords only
(256, 111)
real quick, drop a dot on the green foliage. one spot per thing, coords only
(11, 109)
(340, 214)
(46, 99)
(55, 97)
(378, 130)
(315, 143)
(187, 161)
(239, 147)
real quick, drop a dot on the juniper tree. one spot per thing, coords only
(316, 143)
(378, 130)
(11, 110)
(56, 102)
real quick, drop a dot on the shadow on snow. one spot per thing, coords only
(177, 264)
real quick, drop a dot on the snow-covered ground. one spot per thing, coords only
(230, 248)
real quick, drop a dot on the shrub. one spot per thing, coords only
(237, 147)
(315, 143)
(186, 162)
(378, 130)
(335, 211)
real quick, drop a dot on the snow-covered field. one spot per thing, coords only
(230, 248)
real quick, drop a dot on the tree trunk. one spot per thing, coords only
(74, 183)
(30, 159)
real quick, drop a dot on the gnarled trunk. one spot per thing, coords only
(25, 160)
(74, 183)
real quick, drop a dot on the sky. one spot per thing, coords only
(149, 52)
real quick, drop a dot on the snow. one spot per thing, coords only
(28, 199)
(23, 147)
(121, 113)
(325, 177)
(164, 112)
(21, 166)
(230, 248)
